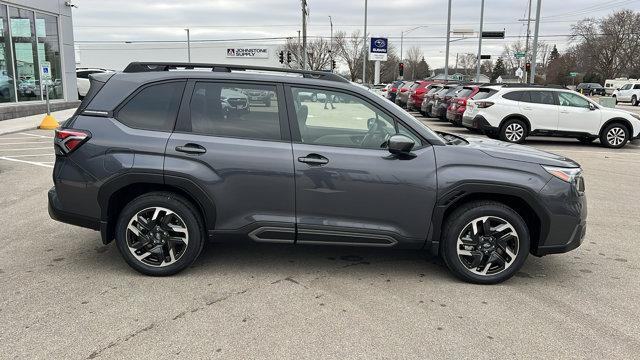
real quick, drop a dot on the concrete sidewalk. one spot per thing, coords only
(31, 122)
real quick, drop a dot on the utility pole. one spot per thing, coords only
(304, 34)
(188, 46)
(526, 48)
(299, 54)
(364, 48)
(331, 44)
(480, 42)
(446, 56)
(534, 56)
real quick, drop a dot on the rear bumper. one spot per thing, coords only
(454, 116)
(478, 123)
(57, 213)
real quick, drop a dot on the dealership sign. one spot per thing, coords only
(378, 49)
(257, 53)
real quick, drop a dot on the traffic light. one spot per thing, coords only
(281, 57)
(401, 69)
(288, 57)
(333, 64)
(527, 67)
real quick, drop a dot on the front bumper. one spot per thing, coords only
(566, 226)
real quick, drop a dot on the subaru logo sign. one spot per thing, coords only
(379, 45)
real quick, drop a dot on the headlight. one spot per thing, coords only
(565, 174)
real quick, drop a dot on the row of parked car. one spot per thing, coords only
(513, 112)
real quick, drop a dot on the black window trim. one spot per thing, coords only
(124, 102)
(183, 123)
(295, 131)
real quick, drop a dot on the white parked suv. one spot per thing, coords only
(82, 76)
(628, 93)
(512, 113)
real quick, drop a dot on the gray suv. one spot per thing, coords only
(153, 159)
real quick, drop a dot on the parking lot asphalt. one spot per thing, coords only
(65, 295)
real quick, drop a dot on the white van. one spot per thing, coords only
(610, 85)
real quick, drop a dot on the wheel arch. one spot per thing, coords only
(623, 121)
(519, 199)
(516, 116)
(115, 194)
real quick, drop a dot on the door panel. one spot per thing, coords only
(364, 192)
(540, 108)
(576, 116)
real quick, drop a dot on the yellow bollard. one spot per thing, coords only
(48, 123)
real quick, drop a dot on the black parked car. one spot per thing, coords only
(151, 160)
(590, 89)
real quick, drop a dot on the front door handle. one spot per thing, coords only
(191, 148)
(313, 159)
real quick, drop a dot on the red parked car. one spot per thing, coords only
(417, 94)
(458, 105)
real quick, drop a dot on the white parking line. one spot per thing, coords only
(36, 135)
(32, 155)
(17, 138)
(26, 162)
(26, 142)
(37, 148)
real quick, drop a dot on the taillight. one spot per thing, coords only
(483, 104)
(394, 90)
(462, 102)
(68, 140)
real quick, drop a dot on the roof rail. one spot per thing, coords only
(532, 86)
(136, 66)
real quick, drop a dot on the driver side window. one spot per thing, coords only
(338, 119)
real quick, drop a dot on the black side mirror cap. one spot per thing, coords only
(400, 144)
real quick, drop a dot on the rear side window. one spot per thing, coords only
(155, 107)
(464, 92)
(235, 110)
(637, 86)
(542, 97)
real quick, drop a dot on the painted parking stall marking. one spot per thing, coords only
(33, 148)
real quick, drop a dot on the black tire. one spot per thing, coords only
(459, 220)
(615, 99)
(80, 97)
(634, 100)
(615, 135)
(187, 214)
(513, 131)
(586, 139)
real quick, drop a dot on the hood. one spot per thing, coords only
(509, 151)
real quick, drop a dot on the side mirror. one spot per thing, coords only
(400, 144)
(592, 107)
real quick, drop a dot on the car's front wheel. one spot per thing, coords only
(615, 136)
(514, 131)
(159, 234)
(485, 242)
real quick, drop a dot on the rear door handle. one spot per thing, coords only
(191, 148)
(313, 159)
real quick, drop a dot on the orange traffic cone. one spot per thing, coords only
(48, 123)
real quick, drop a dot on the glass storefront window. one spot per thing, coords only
(23, 39)
(7, 90)
(49, 50)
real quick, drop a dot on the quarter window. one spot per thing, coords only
(153, 108)
(514, 95)
(235, 110)
(339, 119)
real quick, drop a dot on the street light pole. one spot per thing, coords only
(364, 48)
(446, 56)
(188, 46)
(331, 44)
(480, 42)
(304, 34)
(534, 55)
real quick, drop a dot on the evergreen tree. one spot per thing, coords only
(498, 70)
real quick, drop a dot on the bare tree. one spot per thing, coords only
(412, 60)
(350, 50)
(467, 62)
(318, 54)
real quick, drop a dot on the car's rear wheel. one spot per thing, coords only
(159, 234)
(485, 242)
(634, 100)
(514, 131)
(615, 136)
(615, 99)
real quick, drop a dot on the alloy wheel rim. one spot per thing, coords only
(487, 245)
(615, 136)
(514, 132)
(157, 236)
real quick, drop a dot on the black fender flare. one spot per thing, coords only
(624, 121)
(516, 116)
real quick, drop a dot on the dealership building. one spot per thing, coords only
(36, 33)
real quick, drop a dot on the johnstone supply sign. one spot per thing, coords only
(378, 49)
(255, 53)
